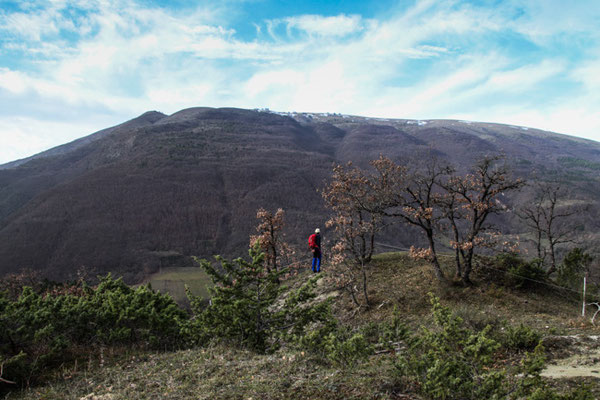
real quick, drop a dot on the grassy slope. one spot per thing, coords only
(174, 280)
(226, 373)
(221, 373)
(398, 281)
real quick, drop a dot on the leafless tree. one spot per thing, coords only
(453, 214)
(477, 195)
(413, 196)
(550, 221)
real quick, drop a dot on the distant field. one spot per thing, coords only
(173, 281)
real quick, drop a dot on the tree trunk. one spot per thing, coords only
(458, 264)
(466, 277)
(434, 260)
(552, 268)
(539, 245)
(353, 295)
(364, 279)
(457, 250)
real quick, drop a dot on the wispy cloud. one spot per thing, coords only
(88, 64)
(340, 25)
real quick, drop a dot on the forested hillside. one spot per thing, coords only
(158, 189)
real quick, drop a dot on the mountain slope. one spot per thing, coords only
(190, 183)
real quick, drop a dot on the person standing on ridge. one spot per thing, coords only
(314, 242)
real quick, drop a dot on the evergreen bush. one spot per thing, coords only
(519, 273)
(520, 338)
(573, 268)
(451, 361)
(248, 308)
(336, 345)
(41, 330)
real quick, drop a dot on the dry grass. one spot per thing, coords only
(174, 280)
(396, 282)
(221, 373)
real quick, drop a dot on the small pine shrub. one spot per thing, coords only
(572, 269)
(519, 273)
(520, 338)
(393, 331)
(41, 330)
(347, 351)
(444, 362)
(248, 309)
(451, 361)
(386, 334)
(336, 345)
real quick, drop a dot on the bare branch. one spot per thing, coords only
(5, 380)
(597, 311)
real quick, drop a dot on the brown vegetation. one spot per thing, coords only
(151, 192)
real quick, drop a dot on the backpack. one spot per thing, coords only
(312, 241)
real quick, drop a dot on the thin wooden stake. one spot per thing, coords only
(583, 307)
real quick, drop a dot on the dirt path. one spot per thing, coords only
(573, 356)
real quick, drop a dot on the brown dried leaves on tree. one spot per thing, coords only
(429, 196)
(476, 196)
(351, 195)
(278, 253)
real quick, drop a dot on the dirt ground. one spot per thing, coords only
(572, 356)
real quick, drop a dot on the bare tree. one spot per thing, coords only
(453, 213)
(350, 196)
(412, 194)
(549, 221)
(477, 196)
(531, 215)
(427, 196)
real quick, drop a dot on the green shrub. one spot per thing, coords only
(571, 271)
(349, 350)
(40, 330)
(519, 273)
(520, 338)
(451, 361)
(247, 305)
(393, 331)
(337, 345)
(387, 333)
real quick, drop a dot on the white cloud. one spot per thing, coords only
(264, 82)
(588, 74)
(523, 78)
(13, 81)
(568, 119)
(31, 26)
(546, 21)
(339, 25)
(22, 136)
(433, 60)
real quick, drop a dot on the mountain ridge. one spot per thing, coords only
(190, 183)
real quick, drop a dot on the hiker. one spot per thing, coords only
(314, 242)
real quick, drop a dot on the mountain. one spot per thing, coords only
(158, 188)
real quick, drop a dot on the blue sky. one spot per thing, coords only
(71, 67)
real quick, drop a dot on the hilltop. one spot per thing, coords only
(157, 189)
